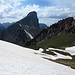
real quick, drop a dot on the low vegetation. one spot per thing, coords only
(60, 41)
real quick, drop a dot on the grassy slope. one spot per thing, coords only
(61, 41)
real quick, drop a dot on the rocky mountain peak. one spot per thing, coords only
(33, 13)
(23, 30)
(31, 20)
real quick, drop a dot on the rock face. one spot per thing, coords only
(62, 25)
(14, 34)
(23, 30)
(67, 25)
(30, 20)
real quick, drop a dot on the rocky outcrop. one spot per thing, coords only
(66, 25)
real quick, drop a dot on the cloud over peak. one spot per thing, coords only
(14, 10)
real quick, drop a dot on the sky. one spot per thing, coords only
(48, 11)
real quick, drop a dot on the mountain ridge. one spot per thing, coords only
(63, 26)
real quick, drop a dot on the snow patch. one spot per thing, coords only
(20, 25)
(54, 49)
(28, 34)
(71, 50)
(57, 56)
(60, 56)
(41, 49)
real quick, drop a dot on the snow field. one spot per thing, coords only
(16, 60)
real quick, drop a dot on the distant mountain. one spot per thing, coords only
(59, 35)
(23, 30)
(1, 29)
(43, 26)
(6, 24)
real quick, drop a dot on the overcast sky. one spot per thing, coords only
(48, 11)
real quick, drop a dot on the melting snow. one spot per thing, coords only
(54, 49)
(29, 34)
(16, 60)
(71, 50)
(53, 57)
(60, 56)
(41, 49)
